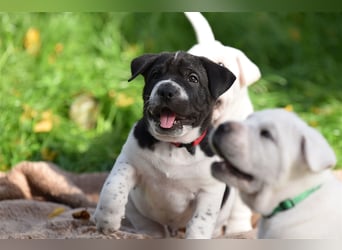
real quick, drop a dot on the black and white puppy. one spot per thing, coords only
(161, 178)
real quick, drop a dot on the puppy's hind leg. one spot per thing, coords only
(142, 224)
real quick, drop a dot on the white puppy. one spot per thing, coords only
(282, 168)
(235, 103)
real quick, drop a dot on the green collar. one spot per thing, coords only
(290, 203)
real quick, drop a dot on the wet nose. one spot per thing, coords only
(226, 127)
(167, 91)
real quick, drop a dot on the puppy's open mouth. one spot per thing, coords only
(233, 170)
(230, 167)
(167, 119)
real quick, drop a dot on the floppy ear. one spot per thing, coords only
(317, 153)
(220, 78)
(249, 72)
(141, 64)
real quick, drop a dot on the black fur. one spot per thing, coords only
(213, 80)
(205, 146)
(225, 195)
(144, 138)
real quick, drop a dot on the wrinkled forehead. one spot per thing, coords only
(179, 60)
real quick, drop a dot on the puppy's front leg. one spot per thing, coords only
(202, 224)
(113, 198)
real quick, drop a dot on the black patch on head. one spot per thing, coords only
(219, 77)
(144, 138)
(142, 64)
(202, 80)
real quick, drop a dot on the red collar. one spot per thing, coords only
(194, 143)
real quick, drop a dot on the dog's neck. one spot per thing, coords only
(292, 202)
(270, 197)
(191, 147)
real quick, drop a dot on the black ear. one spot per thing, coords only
(141, 64)
(219, 77)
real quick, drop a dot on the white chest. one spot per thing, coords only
(169, 179)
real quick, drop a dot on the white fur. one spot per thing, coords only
(296, 159)
(234, 104)
(169, 187)
(165, 186)
(183, 94)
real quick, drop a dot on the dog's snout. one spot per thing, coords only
(168, 91)
(226, 127)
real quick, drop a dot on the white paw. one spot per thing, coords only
(107, 221)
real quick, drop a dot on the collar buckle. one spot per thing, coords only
(290, 203)
(287, 204)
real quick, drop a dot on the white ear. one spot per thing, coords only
(249, 72)
(317, 152)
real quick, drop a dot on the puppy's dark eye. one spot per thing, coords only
(193, 78)
(266, 134)
(155, 73)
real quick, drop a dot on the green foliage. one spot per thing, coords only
(299, 55)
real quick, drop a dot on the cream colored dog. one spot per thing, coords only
(235, 103)
(282, 168)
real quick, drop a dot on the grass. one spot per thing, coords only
(50, 61)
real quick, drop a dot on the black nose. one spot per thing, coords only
(226, 127)
(167, 91)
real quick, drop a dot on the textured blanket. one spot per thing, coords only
(38, 200)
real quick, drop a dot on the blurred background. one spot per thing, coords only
(64, 95)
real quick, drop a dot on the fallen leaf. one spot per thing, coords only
(57, 211)
(45, 124)
(81, 215)
(32, 41)
(289, 107)
(123, 100)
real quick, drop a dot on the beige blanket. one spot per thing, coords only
(41, 201)
(38, 200)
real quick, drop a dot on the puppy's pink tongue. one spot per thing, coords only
(167, 119)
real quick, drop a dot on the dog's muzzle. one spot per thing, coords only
(217, 143)
(168, 107)
(167, 94)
